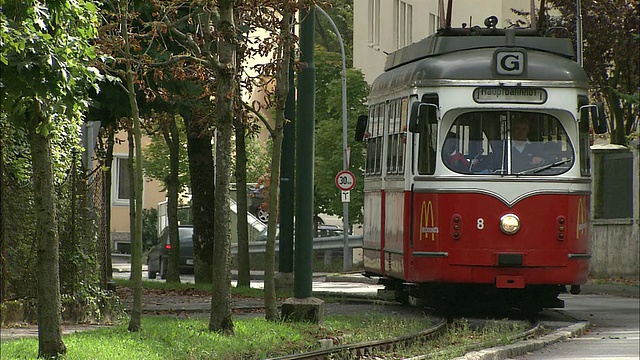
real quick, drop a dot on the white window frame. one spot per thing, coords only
(403, 14)
(118, 162)
(374, 22)
(434, 21)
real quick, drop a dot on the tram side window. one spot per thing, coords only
(396, 136)
(428, 138)
(392, 152)
(585, 139)
(374, 138)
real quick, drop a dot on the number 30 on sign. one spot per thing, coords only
(345, 180)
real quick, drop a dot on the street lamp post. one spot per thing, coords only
(345, 156)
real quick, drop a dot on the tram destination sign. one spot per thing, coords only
(502, 94)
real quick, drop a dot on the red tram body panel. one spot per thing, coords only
(459, 245)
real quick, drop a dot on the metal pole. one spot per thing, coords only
(579, 56)
(303, 259)
(287, 184)
(346, 264)
(533, 15)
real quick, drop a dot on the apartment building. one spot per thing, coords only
(383, 26)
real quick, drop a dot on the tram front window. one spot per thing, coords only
(507, 143)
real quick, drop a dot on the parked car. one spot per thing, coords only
(322, 231)
(159, 254)
(257, 202)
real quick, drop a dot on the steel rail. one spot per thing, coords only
(527, 334)
(368, 348)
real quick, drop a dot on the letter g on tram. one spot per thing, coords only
(509, 62)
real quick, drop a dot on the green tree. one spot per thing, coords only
(156, 154)
(328, 156)
(341, 12)
(182, 59)
(165, 161)
(226, 72)
(611, 56)
(45, 76)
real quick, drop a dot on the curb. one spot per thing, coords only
(526, 346)
(611, 289)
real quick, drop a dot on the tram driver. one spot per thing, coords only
(525, 154)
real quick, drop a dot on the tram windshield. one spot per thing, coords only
(507, 143)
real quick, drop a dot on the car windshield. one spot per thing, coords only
(507, 143)
(185, 233)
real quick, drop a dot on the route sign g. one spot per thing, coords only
(345, 180)
(510, 62)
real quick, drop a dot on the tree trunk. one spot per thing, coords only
(172, 138)
(49, 309)
(282, 90)
(106, 266)
(135, 203)
(244, 268)
(3, 251)
(132, 189)
(618, 135)
(202, 194)
(220, 320)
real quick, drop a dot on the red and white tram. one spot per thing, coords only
(477, 180)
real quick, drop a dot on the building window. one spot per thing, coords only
(121, 183)
(374, 22)
(434, 21)
(404, 23)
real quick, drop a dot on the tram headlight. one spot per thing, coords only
(509, 224)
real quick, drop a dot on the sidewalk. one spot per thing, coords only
(591, 288)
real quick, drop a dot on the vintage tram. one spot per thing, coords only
(477, 178)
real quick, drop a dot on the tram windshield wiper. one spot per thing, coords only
(545, 167)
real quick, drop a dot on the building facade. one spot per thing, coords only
(152, 194)
(383, 26)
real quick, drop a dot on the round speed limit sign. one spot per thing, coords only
(345, 180)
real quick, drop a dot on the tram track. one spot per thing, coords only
(376, 349)
(364, 349)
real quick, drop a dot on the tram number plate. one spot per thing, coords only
(502, 94)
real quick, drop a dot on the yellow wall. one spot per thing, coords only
(152, 195)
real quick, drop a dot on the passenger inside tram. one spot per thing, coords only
(456, 160)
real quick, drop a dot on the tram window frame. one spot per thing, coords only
(485, 140)
(374, 139)
(391, 130)
(584, 136)
(428, 132)
(396, 135)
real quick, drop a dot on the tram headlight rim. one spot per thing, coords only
(509, 223)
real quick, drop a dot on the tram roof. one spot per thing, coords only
(452, 55)
(452, 40)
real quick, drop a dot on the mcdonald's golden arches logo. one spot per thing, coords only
(582, 218)
(427, 222)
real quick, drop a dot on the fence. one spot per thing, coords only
(615, 235)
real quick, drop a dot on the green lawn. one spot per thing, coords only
(255, 338)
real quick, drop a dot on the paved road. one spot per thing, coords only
(121, 271)
(614, 332)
